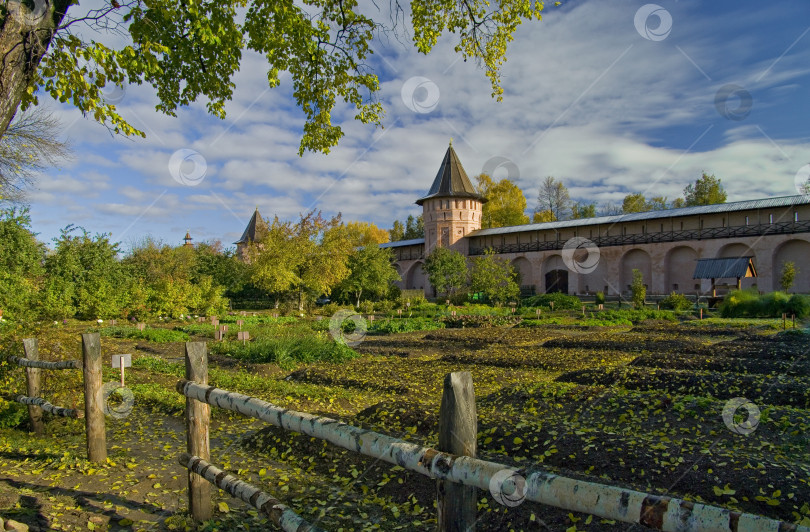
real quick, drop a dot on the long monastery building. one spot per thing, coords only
(664, 245)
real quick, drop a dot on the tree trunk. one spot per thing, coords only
(24, 39)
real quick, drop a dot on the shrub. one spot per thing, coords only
(287, 350)
(385, 306)
(473, 321)
(12, 414)
(561, 301)
(398, 325)
(676, 301)
(366, 307)
(749, 304)
(600, 298)
(798, 305)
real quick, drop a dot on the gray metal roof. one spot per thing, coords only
(451, 181)
(732, 267)
(402, 243)
(781, 201)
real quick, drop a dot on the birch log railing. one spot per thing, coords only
(201, 472)
(606, 501)
(91, 371)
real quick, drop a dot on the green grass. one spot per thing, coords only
(149, 334)
(166, 399)
(286, 350)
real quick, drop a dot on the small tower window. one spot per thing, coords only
(746, 220)
(770, 218)
(795, 216)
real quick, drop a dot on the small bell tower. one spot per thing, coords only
(452, 208)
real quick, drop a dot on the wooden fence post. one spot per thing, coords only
(32, 379)
(93, 409)
(197, 422)
(458, 432)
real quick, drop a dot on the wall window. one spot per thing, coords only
(770, 218)
(795, 216)
(746, 220)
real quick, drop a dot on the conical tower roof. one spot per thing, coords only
(451, 181)
(250, 231)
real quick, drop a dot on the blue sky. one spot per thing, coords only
(596, 94)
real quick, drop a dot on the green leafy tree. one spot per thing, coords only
(579, 211)
(543, 217)
(85, 277)
(309, 257)
(638, 290)
(495, 277)
(221, 265)
(414, 227)
(447, 270)
(677, 203)
(397, 232)
(635, 203)
(179, 280)
(190, 52)
(21, 271)
(553, 197)
(371, 273)
(788, 275)
(707, 190)
(658, 203)
(506, 203)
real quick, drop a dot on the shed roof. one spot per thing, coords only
(732, 267)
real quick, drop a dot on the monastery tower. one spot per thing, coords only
(452, 208)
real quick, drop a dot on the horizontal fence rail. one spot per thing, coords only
(42, 364)
(48, 407)
(609, 502)
(288, 520)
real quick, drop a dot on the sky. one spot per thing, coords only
(610, 98)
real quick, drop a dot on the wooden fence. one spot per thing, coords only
(93, 401)
(453, 465)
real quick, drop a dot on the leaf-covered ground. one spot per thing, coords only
(638, 407)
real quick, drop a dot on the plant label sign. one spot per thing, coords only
(122, 361)
(243, 335)
(141, 326)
